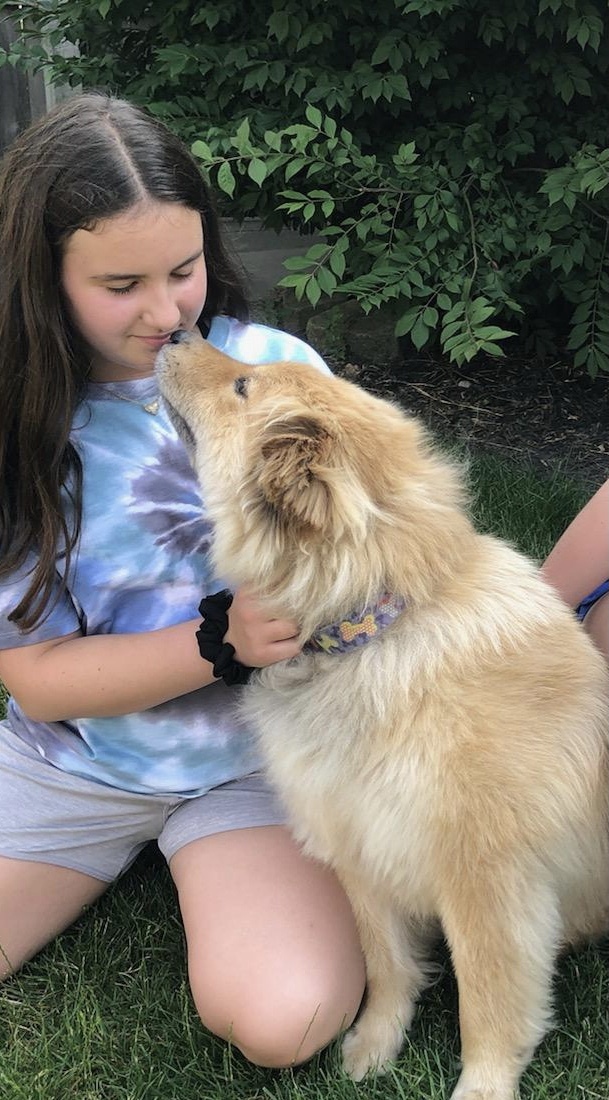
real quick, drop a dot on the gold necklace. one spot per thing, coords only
(151, 407)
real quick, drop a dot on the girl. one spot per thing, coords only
(118, 732)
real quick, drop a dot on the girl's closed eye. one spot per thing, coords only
(121, 289)
(131, 286)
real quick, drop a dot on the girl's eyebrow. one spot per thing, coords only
(110, 277)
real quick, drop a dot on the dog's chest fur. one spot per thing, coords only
(319, 748)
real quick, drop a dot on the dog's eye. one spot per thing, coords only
(240, 386)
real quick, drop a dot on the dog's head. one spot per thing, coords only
(302, 472)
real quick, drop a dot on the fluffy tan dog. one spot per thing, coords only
(453, 768)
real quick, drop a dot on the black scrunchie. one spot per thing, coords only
(210, 634)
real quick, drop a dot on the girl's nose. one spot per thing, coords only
(162, 312)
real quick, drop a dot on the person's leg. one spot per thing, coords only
(274, 959)
(37, 901)
(63, 840)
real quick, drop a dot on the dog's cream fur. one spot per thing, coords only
(455, 769)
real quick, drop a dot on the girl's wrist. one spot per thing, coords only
(211, 640)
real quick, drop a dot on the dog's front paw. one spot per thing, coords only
(485, 1086)
(369, 1045)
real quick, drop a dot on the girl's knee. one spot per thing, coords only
(280, 1028)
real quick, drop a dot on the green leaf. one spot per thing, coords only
(594, 181)
(581, 357)
(242, 135)
(456, 311)
(297, 263)
(256, 170)
(273, 140)
(555, 195)
(201, 149)
(337, 262)
(491, 332)
(452, 342)
(294, 195)
(225, 179)
(480, 311)
(382, 51)
(290, 281)
(580, 334)
(419, 334)
(313, 115)
(452, 328)
(492, 349)
(407, 155)
(279, 25)
(326, 280)
(316, 251)
(581, 314)
(293, 167)
(312, 291)
(406, 321)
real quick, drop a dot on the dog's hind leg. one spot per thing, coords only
(503, 939)
(394, 978)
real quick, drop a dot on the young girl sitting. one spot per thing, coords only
(118, 732)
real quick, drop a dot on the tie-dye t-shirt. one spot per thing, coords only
(143, 564)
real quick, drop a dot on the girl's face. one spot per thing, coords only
(131, 281)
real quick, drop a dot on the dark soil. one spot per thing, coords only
(550, 416)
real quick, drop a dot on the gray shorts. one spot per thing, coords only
(49, 816)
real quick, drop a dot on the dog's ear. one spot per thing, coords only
(296, 453)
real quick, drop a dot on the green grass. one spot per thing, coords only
(105, 1013)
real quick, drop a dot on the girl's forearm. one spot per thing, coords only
(107, 675)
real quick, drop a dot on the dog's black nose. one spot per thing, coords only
(178, 337)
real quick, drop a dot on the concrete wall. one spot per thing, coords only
(262, 251)
(22, 97)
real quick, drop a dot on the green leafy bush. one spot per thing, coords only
(448, 155)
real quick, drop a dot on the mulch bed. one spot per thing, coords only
(551, 416)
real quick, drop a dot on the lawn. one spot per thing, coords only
(105, 1011)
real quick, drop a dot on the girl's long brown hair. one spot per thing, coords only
(90, 158)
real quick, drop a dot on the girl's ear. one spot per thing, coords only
(295, 470)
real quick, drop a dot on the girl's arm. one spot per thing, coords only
(105, 675)
(580, 560)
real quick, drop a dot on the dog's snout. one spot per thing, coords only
(179, 337)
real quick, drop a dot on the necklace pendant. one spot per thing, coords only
(152, 407)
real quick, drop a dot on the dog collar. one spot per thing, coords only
(360, 628)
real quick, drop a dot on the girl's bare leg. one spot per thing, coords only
(274, 958)
(37, 902)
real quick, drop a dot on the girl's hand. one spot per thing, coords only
(257, 639)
